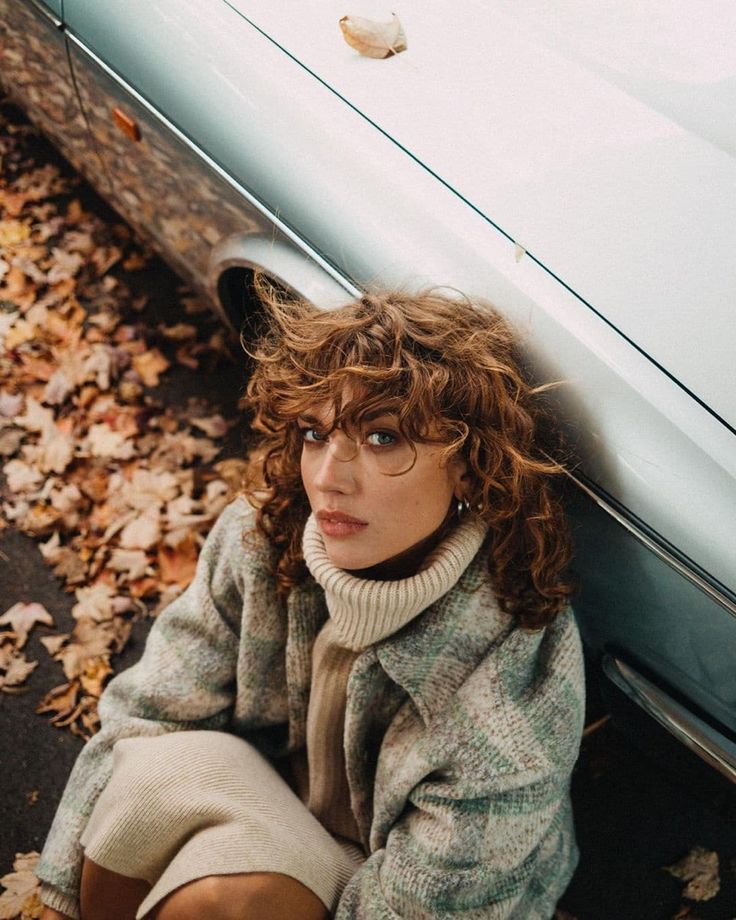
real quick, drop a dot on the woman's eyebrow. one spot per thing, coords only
(367, 417)
(380, 413)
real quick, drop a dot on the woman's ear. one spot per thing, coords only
(462, 477)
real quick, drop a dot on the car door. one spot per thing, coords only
(164, 180)
(35, 69)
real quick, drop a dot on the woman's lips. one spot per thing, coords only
(337, 524)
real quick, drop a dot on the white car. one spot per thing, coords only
(571, 162)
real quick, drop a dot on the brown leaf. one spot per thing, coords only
(374, 39)
(233, 471)
(94, 675)
(179, 332)
(102, 441)
(700, 870)
(130, 563)
(21, 332)
(22, 887)
(23, 617)
(18, 670)
(94, 602)
(13, 232)
(10, 441)
(88, 640)
(57, 450)
(177, 564)
(70, 567)
(150, 365)
(214, 427)
(52, 644)
(61, 700)
(22, 477)
(144, 531)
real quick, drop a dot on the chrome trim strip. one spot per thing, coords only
(222, 173)
(671, 560)
(685, 726)
(44, 11)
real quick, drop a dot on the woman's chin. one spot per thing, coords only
(351, 561)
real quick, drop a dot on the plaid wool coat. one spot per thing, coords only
(461, 732)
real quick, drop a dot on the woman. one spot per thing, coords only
(369, 701)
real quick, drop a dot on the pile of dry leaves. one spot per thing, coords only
(118, 490)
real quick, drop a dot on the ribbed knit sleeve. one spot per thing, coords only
(184, 680)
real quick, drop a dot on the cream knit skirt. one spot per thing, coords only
(193, 803)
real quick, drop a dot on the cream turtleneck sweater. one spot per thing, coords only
(361, 612)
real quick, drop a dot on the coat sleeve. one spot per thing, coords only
(184, 680)
(508, 853)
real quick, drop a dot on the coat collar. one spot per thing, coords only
(429, 658)
(432, 656)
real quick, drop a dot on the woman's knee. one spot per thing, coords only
(107, 895)
(242, 896)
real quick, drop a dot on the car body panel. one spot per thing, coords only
(628, 207)
(644, 440)
(655, 619)
(35, 68)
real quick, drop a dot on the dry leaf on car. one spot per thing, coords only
(374, 39)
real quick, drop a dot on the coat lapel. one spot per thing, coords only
(425, 662)
(371, 703)
(435, 653)
(306, 614)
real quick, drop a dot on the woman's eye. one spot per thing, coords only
(381, 439)
(311, 435)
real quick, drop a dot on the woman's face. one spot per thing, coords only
(369, 518)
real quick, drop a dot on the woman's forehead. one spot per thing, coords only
(326, 412)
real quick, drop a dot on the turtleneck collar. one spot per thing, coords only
(362, 610)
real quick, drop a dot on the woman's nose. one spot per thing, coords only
(336, 469)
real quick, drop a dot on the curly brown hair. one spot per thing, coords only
(450, 369)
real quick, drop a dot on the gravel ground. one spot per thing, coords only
(633, 816)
